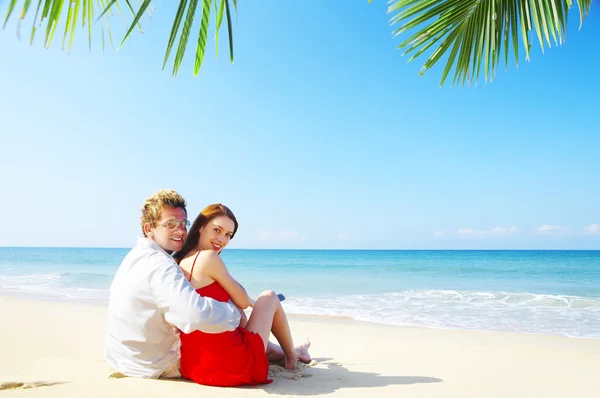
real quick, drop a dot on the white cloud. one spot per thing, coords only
(343, 236)
(496, 231)
(438, 233)
(592, 229)
(551, 228)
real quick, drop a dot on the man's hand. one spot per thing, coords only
(243, 318)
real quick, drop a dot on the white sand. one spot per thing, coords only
(55, 350)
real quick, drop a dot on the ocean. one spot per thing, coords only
(545, 292)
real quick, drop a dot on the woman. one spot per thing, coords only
(242, 356)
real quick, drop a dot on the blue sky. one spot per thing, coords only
(320, 135)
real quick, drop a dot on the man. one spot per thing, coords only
(151, 300)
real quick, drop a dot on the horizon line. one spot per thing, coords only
(297, 249)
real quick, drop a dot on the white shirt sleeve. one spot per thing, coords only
(186, 309)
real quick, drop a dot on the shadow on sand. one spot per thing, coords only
(324, 376)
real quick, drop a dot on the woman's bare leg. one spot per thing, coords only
(268, 316)
(274, 351)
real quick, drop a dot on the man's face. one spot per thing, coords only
(170, 237)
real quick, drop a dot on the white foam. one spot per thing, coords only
(449, 309)
(50, 285)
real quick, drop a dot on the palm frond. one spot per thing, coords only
(476, 30)
(50, 13)
(471, 33)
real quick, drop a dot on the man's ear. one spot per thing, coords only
(147, 229)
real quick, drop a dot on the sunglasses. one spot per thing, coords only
(172, 224)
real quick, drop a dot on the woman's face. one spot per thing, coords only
(216, 234)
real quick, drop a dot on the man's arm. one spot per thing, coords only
(186, 309)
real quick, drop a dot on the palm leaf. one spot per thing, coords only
(25, 8)
(50, 13)
(218, 19)
(229, 27)
(11, 7)
(185, 35)
(175, 29)
(33, 28)
(136, 19)
(476, 31)
(202, 36)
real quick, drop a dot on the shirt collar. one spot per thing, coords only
(141, 241)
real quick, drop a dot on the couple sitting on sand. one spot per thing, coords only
(172, 315)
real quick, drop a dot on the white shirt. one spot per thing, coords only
(150, 299)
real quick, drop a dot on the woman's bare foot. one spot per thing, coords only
(274, 353)
(290, 362)
(302, 352)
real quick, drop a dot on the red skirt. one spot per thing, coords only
(225, 359)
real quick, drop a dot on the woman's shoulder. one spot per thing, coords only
(208, 255)
(196, 257)
(208, 260)
(187, 260)
(197, 268)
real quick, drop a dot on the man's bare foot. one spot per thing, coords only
(302, 352)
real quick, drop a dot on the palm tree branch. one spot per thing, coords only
(476, 31)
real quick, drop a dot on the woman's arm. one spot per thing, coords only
(213, 266)
(184, 308)
(252, 302)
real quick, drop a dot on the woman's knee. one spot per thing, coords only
(268, 294)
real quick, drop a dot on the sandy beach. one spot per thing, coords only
(54, 349)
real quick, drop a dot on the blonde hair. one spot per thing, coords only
(155, 204)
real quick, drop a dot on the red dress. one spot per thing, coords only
(224, 359)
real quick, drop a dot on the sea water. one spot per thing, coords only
(549, 292)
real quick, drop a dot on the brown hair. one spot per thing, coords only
(205, 216)
(155, 204)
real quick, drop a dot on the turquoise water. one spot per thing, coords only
(550, 292)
